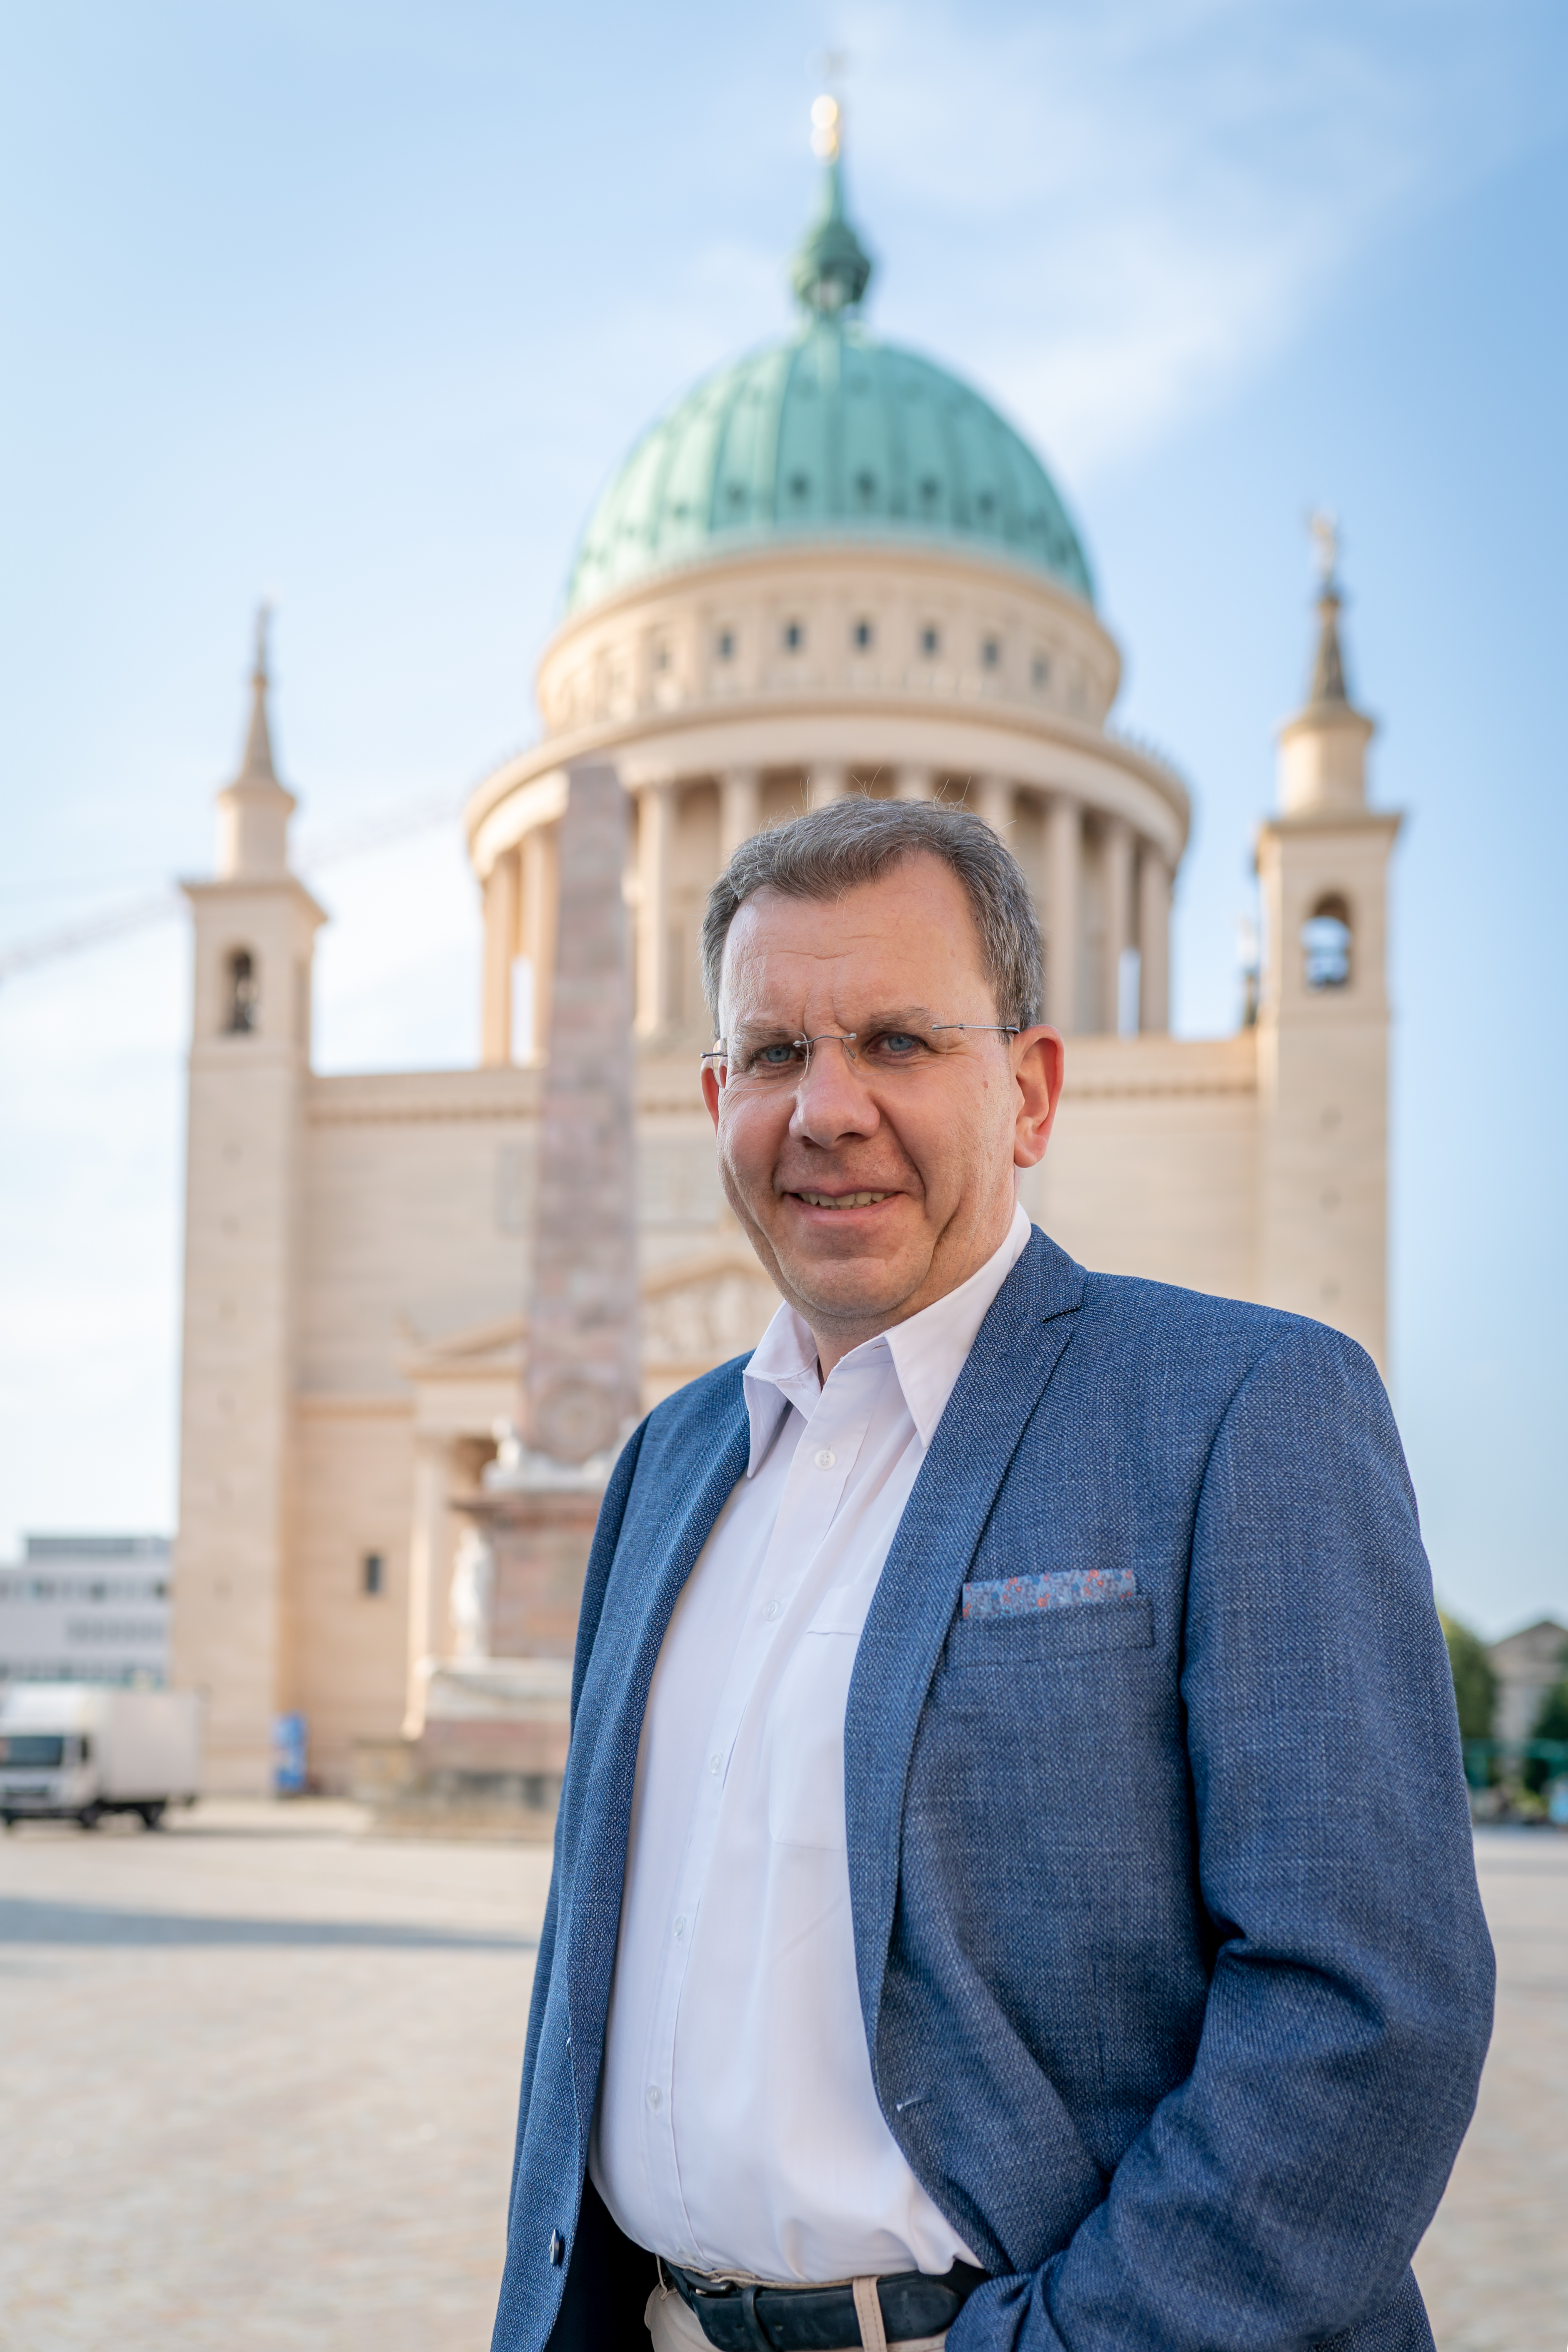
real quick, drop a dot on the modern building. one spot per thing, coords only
(86, 1608)
(832, 567)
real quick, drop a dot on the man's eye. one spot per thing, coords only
(775, 1057)
(897, 1044)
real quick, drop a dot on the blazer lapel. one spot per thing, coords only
(1013, 1358)
(656, 1554)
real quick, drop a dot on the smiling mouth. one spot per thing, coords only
(842, 1200)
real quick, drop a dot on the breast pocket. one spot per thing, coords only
(1006, 1644)
(805, 1734)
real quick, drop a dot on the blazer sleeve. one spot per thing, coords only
(1277, 2195)
(601, 1559)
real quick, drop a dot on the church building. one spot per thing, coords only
(832, 567)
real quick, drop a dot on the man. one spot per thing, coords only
(1013, 1882)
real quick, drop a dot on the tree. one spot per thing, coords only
(1475, 1684)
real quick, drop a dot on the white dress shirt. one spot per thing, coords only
(738, 2127)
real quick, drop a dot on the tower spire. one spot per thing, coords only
(253, 811)
(832, 268)
(1323, 750)
(1328, 684)
(258, 766)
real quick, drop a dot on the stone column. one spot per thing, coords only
(829, 780)
(500, 946)
(1116, 854)
(655, 828)
(583, 1358)
(913, 784)
(1154, 940)
(538, 927)
(993, 802)
(739, 809)
(426, 1580)
(1064, 876)
(501, 1718)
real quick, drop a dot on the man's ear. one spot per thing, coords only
(1039, 1060)
(710, 1091)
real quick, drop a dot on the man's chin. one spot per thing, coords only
(846, 1290)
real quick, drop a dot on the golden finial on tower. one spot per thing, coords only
(1325, 531)
(826, 118)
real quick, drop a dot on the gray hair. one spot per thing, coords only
(858, 840)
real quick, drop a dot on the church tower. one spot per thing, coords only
(1322, 1020)
(254, 928)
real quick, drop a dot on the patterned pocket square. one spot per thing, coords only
(1062, 1588)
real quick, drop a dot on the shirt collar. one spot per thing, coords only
(928, 1352)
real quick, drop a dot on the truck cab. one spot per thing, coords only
(76, 1751)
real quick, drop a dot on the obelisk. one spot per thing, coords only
(495, 1726)
(580, 1391)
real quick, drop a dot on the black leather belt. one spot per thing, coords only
(820, 2318)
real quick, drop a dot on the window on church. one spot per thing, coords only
(1326, 943)
(991, 653)
(930, 641)
(864, 636)
(793, 636)
(372, 1574)
(244, 993)
(725, 645)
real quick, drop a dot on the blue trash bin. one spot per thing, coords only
(288, 1754)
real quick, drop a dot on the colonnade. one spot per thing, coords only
(1103, 892)
(1134, 889)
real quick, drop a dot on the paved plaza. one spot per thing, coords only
(258, 2080)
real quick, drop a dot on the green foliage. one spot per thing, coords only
(1475, 1684)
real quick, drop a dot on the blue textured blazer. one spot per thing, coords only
(1174, 1975)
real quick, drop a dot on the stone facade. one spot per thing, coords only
(377, 1276)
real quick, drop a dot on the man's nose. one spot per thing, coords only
(832, 1099)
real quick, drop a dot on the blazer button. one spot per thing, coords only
(557, 2247)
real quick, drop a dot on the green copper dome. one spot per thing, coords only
(826, 435)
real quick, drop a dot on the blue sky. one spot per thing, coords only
(355, 306)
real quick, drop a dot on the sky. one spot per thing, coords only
(354, 307)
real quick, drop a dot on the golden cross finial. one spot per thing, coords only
(1325, 530)
(828, 111)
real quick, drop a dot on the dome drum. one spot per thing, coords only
(826, 619)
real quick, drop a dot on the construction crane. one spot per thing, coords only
(143, 914)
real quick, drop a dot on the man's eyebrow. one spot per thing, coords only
(891, 1017)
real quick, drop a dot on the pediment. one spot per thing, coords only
(483, 1348)
(697, 1311)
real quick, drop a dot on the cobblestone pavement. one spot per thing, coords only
(1494, 2265)
(260, 2072)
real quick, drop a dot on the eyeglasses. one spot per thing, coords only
(767, 1060)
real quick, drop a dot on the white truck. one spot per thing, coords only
(78, 1750)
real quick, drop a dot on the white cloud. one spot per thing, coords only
(1150, 197)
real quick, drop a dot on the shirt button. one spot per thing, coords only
(826, 1458)
(715, 1766)
(771, 1610)
(679, 1929)
(655, 2098)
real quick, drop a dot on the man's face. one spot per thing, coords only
(929, 1121)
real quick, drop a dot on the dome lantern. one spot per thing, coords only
(826, 435)
(832, 268)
